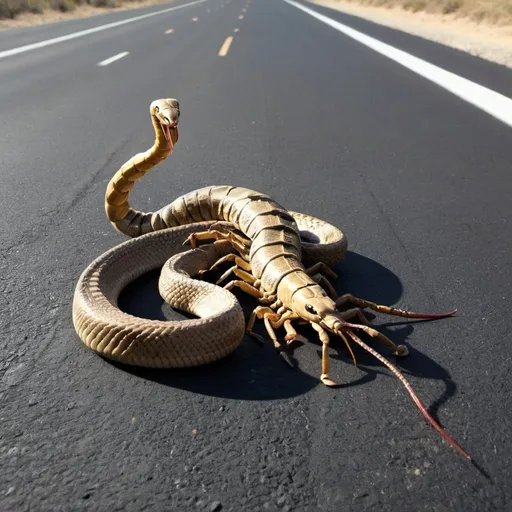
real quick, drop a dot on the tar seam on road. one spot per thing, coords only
(224, 49)
(74, 35)
(489, 101)
(108, 61)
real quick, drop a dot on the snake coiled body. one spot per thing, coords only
(247, 227)
(273, 239)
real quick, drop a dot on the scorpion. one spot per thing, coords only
(221, 224)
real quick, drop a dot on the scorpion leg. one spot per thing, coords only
(322, 281)
(321, 268)
(242, 274)
(238, 243)
(318, 272)
(291, 334)
(398, 350)
(276, 304)
(270, 319)
(324, 338)
(389, 310)
(251, 287)
(246, 287)
(286, 321)
(257, 313)
(239, 262)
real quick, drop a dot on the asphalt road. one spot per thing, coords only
(418, 179)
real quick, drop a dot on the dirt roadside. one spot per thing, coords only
(81, 11)
(491, 42)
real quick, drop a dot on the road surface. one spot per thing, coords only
(417, 177)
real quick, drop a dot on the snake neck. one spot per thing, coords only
(119, 212)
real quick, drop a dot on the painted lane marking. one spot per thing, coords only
(224, 49)
(489, 101)
(170, 31)
(241, 17)
(82, 33)
(108, 61)
(195, 19)
(235, 30)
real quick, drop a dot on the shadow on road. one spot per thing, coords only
(255, 372)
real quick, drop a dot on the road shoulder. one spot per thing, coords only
(490, 42)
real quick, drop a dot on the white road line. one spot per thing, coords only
(235, 30)
(489, 101)
(169, 31)
(108, 61)
(224, 49)
(74, 35)
(241, 17)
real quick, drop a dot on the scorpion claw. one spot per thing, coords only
(326, 380)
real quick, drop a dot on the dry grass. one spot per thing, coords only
(10, 9)
(498, 12)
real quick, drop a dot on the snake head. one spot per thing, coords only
(167, 113)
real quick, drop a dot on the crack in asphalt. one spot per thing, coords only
(54, 217)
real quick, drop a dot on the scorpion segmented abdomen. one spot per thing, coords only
(217, 196)
(263, 256)
(135, 223)
(275, 250)
(277, 270)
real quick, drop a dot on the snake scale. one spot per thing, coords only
(157, 238)
(270, 248)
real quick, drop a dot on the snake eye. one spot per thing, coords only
(311, 309)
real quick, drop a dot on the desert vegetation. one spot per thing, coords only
(9, 9)
(497, 12)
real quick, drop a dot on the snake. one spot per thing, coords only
(270, 247)
(156, 242)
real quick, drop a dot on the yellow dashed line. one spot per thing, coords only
(224, 49)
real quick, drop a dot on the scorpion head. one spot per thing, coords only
(315, 306)
(312, 304)
(166, 114)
